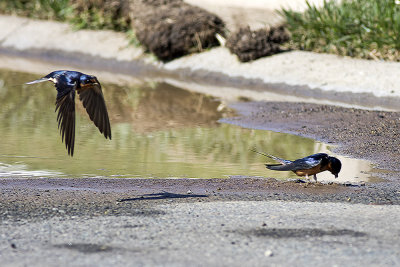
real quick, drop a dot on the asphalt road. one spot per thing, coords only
(222, 233)
(196, 222)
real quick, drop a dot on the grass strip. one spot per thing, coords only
(358, 28)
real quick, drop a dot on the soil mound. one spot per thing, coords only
(249, 45)
(172, 28)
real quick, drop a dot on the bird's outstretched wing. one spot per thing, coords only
(299, 164)
(92, 99)
(65, 104)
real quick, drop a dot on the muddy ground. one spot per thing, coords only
(39, 199)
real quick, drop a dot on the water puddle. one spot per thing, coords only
(159, 131)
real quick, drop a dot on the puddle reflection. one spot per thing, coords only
(158, 131)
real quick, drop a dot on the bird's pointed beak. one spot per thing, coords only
(38, 81)
(336, 175)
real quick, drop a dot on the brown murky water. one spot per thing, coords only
(158, 131)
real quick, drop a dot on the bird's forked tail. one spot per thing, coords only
(283, 161)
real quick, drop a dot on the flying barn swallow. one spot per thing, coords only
(310, 165)
(90, 93)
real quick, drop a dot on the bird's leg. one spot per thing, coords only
(315, 177)
(307, 178)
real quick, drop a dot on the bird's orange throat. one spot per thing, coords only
(312, 171)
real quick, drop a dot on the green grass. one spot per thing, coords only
(99, 14)
(81, 14)
(40, 9)
(358, 28)
(97, 19)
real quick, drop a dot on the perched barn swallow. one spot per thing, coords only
(310, 165)
(91, 95)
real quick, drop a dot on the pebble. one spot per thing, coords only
(268, 253)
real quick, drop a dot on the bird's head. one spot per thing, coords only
(334, 166)
(87, 80)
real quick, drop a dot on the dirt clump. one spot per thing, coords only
(249, 45)
(167, 28)
(171, 28)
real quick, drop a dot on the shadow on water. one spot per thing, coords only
(158, 131)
